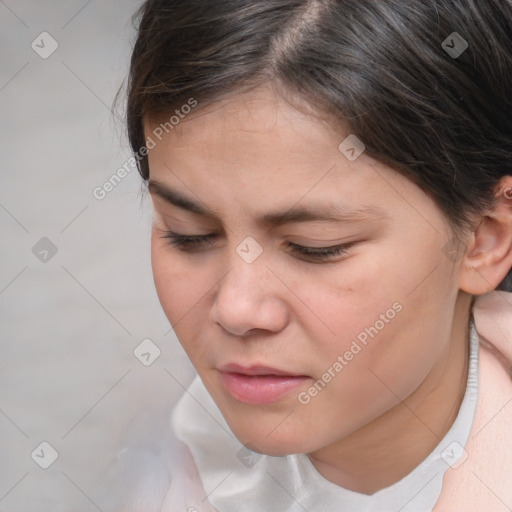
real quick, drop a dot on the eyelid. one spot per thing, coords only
(164, 219)
(325, 244)
(192, 244)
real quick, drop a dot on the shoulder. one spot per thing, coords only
(481, 480)
(493, 318)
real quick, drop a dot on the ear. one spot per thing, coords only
(488, 257)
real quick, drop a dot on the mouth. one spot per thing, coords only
(259, 385)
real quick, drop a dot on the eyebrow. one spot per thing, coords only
(333, 212)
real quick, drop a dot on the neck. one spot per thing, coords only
(391, 446)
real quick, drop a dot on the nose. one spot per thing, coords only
(250, 298)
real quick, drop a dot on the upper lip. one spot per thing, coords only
(256, 370)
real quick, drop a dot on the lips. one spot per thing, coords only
(256, 370)
(259, 384)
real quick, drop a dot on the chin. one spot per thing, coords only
(277, 445)
(274, 449)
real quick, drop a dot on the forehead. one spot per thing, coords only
(258, 111)
(254, 140)
(256, 153)
(242, 138)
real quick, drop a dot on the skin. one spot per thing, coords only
(390, 406)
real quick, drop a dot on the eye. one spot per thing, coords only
(193, 244)
(320, 253)
(188, 243)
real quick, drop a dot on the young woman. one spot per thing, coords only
(332, 245)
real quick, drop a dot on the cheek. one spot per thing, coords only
(391, 362)
(179, 288)
(167, 280)
(382, 332)
(376, 378)
(340, 302)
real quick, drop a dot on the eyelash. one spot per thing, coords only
(187, 243)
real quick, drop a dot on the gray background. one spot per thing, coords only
(70, 322)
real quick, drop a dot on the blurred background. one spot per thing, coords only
(88, 361)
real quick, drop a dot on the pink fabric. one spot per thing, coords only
(483, 482)
(493, 319)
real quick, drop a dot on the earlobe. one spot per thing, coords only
(488, 257)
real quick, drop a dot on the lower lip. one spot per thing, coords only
(262, 389)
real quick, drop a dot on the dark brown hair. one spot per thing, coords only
(384, 66)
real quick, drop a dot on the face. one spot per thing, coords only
(298, 345)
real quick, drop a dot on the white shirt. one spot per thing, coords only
(236, 478)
